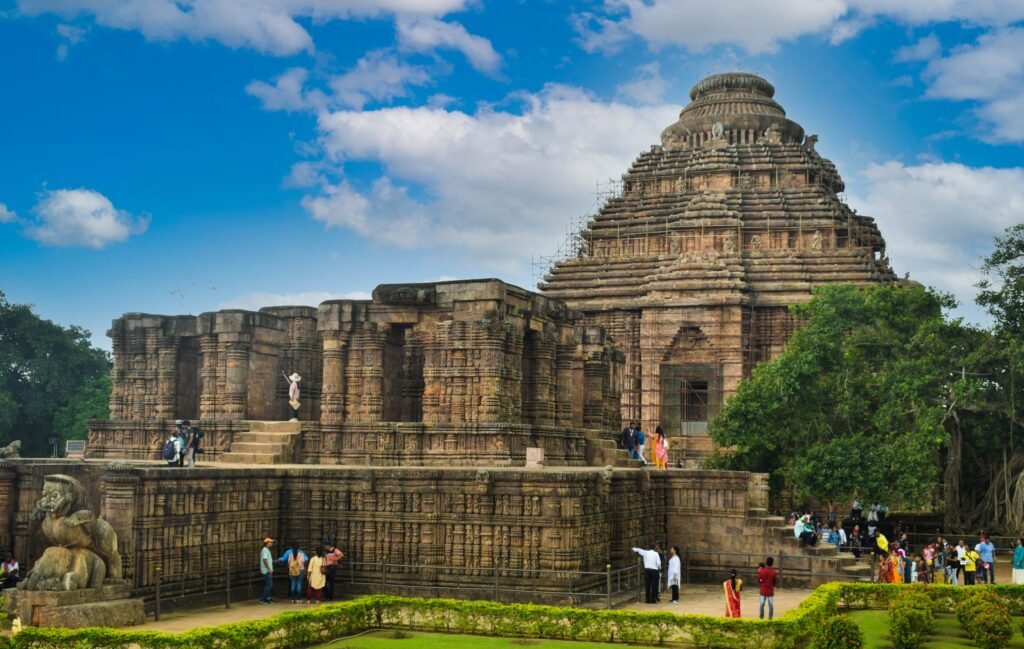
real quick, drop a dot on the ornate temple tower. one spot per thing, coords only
(715, 233)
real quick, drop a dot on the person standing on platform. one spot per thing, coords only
(296, 561)
(660, 449)
(267, 570)
(675, 573)
(293, 394)
(652, 566)
(987, 551)
(332, 555)
(641, 442)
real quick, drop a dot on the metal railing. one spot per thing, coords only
(601, 589)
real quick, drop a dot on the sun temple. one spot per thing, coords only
(717, 230)
(457, 434)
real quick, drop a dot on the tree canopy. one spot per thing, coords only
(880, 395)
(46, 368)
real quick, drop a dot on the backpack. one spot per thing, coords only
(170, 450)
(197, 432)
(294, 566)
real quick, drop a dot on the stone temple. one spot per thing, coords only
(716, 232)
(421, 406)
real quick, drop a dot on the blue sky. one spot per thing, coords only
(179, 156)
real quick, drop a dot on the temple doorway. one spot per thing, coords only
(690, 394)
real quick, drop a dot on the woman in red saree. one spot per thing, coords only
(732, 587)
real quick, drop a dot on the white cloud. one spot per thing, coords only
(924, 49)
(270, 26)
(6, 215)
(378, 76)
(71, 35)
(420, 34)
(257, 300)
(498, 184)
(990, 72)
(759, 26)
(647, 87)
(940, 218)
(81, 217)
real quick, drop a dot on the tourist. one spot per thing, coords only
(296, 561)
(807, 536)
(293, 394)
(315, 575)
(841, 532)
(172, 450)
(10, 572)
(660, 449)
(628, 438)
(855, 541)
(1018, 563)
(855, 510)
(732, 587)
(987, 551)
(182, 442)
(971, 561)
(332, 555)
(922, 573)
(191, 443)
(652, 564)
(267, 570)
(831, 514)
(767, 578)
(961, 561)
(881, 543)
(675, 573)
(640, 445)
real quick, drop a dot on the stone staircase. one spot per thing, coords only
(266, 442)
(824, 561)
(601, 451)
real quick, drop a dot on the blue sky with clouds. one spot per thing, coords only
(179, 156)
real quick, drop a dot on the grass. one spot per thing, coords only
(947, 634)
(414, 640)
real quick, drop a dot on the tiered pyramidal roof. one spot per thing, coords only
(716, 231)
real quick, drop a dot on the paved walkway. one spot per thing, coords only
(710, 600)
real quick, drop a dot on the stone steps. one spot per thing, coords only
(266, 442)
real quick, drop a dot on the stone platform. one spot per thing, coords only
(110, 605)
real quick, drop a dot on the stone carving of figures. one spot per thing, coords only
(729, 244)
(756, 243)
(680, 185)
(717, 131)
(674, 244)
(809, 143)
(816, 240)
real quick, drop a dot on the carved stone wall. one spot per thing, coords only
(450, 527)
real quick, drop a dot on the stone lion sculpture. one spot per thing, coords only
(11, 451)
(83, 547)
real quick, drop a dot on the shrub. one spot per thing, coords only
(839, 632)
(911, 618)
(986, 618)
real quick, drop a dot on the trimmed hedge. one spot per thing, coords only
(911, 618)
(986, 618)
(298, 629)
(294, 630)
(839, 632)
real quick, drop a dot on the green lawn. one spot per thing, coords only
(947, 634)
(415, 640)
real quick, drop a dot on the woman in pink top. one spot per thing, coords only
(660, 449)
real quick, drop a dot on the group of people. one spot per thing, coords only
(309, 577)
(945, 562)
(181, 447)
(634, 441)
(767, 578)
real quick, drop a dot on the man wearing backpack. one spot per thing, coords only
(192, 436)
(172, 451)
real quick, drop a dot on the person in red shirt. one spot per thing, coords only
(332, 555)
(767, 577)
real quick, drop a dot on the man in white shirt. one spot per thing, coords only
(652, 567)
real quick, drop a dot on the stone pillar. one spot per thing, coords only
(117, 375)
(208, 401)
(167, 377)
(118, 485)
(332, 393)
(8, 504)
(236, 378)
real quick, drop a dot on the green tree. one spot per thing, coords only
(42, 367)
(92, 401)
(858, 401)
